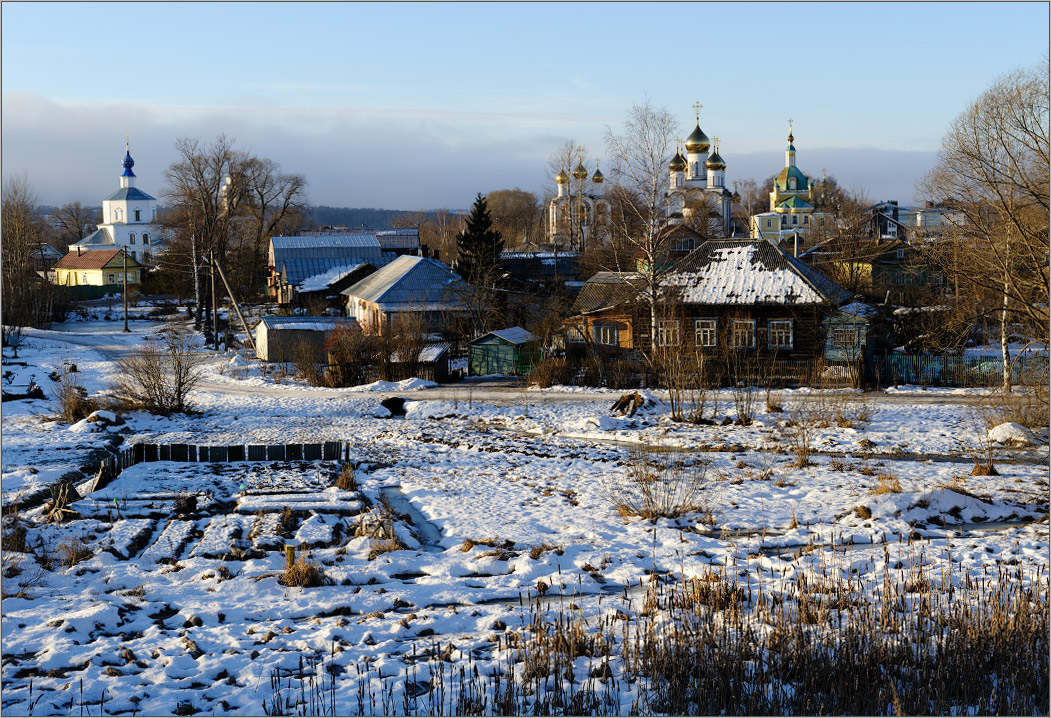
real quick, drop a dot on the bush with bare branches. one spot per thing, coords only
(159, 376)
(660, 484)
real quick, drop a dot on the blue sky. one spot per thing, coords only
(419, 105)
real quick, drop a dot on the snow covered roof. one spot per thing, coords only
(301, 257)
(324, 280)
(422, 282)
(745, 272)
(313, 324)
(515, 335)
(859, 309)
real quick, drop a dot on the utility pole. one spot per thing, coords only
(196, 286)
(215, 309)
(124, 253)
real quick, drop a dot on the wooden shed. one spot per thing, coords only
(505, 351)
(276, 338)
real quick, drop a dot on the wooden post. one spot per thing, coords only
(290, 554)
(237, 307)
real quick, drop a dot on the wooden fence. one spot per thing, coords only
(111, 467)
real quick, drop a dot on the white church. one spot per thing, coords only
(129, 218)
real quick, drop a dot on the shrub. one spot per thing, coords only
(549, 372)
(159, 379)
(663, 484)
(72, 401)
(307, 357)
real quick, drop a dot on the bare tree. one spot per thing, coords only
(27, 298)
(993, 168)
(639, 154)
(75, 221)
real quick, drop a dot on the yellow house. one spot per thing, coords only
(96, 268)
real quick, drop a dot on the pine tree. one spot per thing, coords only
(478, 246)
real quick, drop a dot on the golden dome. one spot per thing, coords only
(581, 172)
(561, 177)
(697, 141)
(677, 164)
(598, 176)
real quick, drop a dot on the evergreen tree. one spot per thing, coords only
(478, 246)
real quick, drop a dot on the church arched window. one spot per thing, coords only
(137, 212)
(131, 238)
(791, 184)
(145, 239)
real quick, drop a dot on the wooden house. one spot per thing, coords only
(100, 267)
(278, 338)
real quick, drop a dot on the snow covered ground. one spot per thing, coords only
(463, 510)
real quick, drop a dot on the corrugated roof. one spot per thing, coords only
(131, 193)
(92, 259)
(603, 290)
(747, 272)
(409, 280)
(325, 241)
(301, 257)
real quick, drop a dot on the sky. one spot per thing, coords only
(420, 106)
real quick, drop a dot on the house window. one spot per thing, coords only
(137, 215)
(131, 238)
(605, 334)
(795, 219)
(575, 335)
(779, 334)
(704, 332)
(769, 223)
(845, 338)
(744, 334)
(900, 254)
(668, 333)
(784, 220)
(133, 254)
(145, 238)
(821, 222)
(112, 278)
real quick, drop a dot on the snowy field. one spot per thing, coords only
(480, 506)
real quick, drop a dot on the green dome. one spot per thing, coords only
(791, 173)
(697, 141)
(677, 164)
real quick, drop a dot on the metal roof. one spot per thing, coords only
(128, 193)
(514, 335)
(325, 241)
(604, 290)
(316, 324)
(97, 238)
(408, 280)
(301, 257)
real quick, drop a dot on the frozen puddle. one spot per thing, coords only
(430, 536)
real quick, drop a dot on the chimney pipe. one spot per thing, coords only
(78, 250)
(795, 249)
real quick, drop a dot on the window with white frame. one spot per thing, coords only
(112, 278)
(744, 333)
(575, 336)
(605, 334)
(769, 223)
(779, 334)
(704, 332)
(668, 333)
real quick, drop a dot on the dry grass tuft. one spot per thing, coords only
(304, 574)
(537, 551)
(887, 484)
(346, 480)
(70, 553)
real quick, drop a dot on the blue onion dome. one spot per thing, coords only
(128, 164)
(697, 141)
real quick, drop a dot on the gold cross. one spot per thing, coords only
(697, 106)
(716, 145)
(127, 142)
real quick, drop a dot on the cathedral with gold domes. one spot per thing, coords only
(697, 195)
(579, 215)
